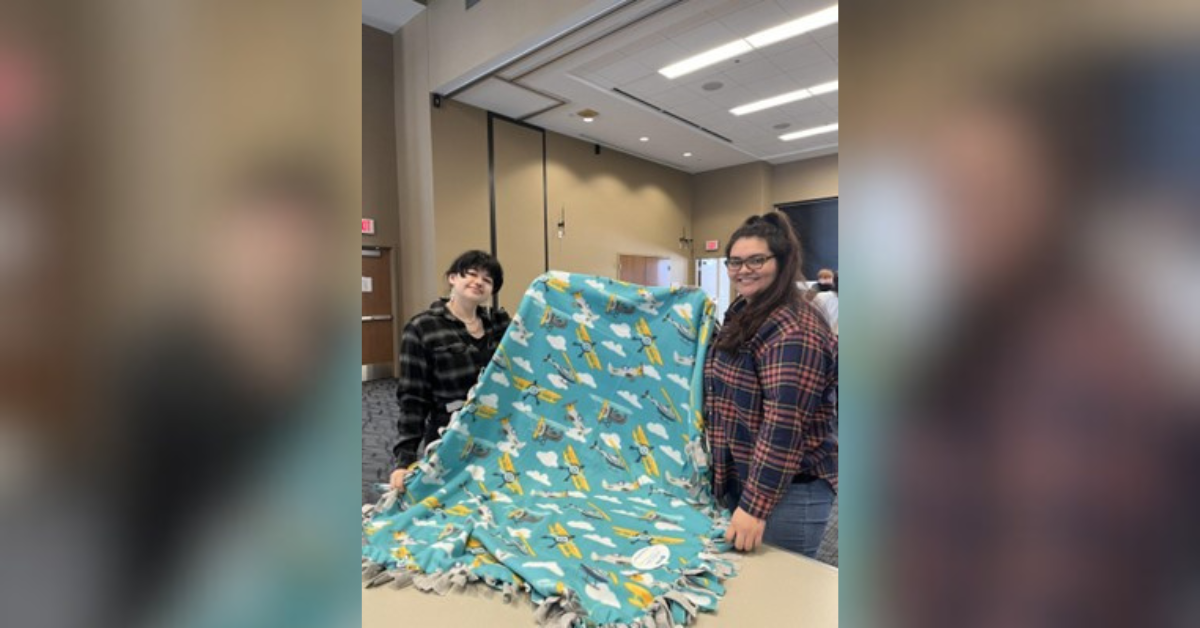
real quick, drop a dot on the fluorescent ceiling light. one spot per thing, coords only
(760, 39)
(817, 130)
(773, 101)
(784, 99)
(705, 59)
(810, 22)
(824, 88)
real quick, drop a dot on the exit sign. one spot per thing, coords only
(712, 245)
(368, 226)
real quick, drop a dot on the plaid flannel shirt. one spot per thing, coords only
(770, 408)
(439, 363)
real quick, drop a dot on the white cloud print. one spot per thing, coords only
(524, 364)
(489, 400)
(523, 407)
(499, 378)
(658, 430)
(672, 453)
(602, 594)
(614, 347)
(631, 398)
(679, 379)
(586, 379)
(536, 295)
(622, 330)
(581, 525)
(557, 381)
(558, 342)
(548, 458)
(477, 472)
(601, 540)
(650, 371)
(539, 477)
(598, 285)
(684, 310)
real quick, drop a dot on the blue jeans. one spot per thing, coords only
(798, 521)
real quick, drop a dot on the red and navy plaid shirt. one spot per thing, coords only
(770, 408)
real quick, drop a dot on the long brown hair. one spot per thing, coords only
(775, 229)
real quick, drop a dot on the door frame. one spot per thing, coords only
(383, 370)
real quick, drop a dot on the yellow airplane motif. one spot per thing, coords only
(587, 349)
(556, 284)
(564, 540)
(481, 554)
(534, 391)
(375, 526)
(618, 306)
(550, 319)
(647, 342)
(646, 537)
(545, 431)
(510, 476)
(644, 451)
(575, 470)
(476, 409)
(641, 597)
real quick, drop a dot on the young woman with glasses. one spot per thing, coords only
(770, 396)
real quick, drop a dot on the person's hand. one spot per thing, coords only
(745, 531)
(397, 479)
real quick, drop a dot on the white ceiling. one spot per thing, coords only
(389, 15)
(625, 50)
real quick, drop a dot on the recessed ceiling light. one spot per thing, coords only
(588, 119)
(643, 139)
(781, 126)
(712, 86)
(687, 154)
(817, 130)
(761, 39)
(788, 30)
(824, 88)
(783, 99)
(707, 58)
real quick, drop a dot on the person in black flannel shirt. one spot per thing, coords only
(442, 352)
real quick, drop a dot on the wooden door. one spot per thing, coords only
(645, 271)
(378, 326)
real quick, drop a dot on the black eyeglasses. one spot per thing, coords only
(753, 263)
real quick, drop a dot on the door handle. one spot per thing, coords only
(379, 317)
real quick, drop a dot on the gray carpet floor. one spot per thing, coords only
(379, 432)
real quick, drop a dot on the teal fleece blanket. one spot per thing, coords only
(577, 471)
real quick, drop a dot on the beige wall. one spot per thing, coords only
(725, 198)
(804, 180)
(615, 205)
(461, 40)
(415, 258)
(460, 198)
(379, 139)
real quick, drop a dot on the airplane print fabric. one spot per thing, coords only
(577, 470)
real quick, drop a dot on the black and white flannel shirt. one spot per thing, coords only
(439, 363)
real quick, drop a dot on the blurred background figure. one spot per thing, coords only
(227, 368)
(1037, 443)
(825, 296)
(174, 291)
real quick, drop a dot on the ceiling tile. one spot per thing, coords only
(705, 37)
(755, 18)
(800, 8)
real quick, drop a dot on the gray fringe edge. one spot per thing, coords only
(559, 611)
